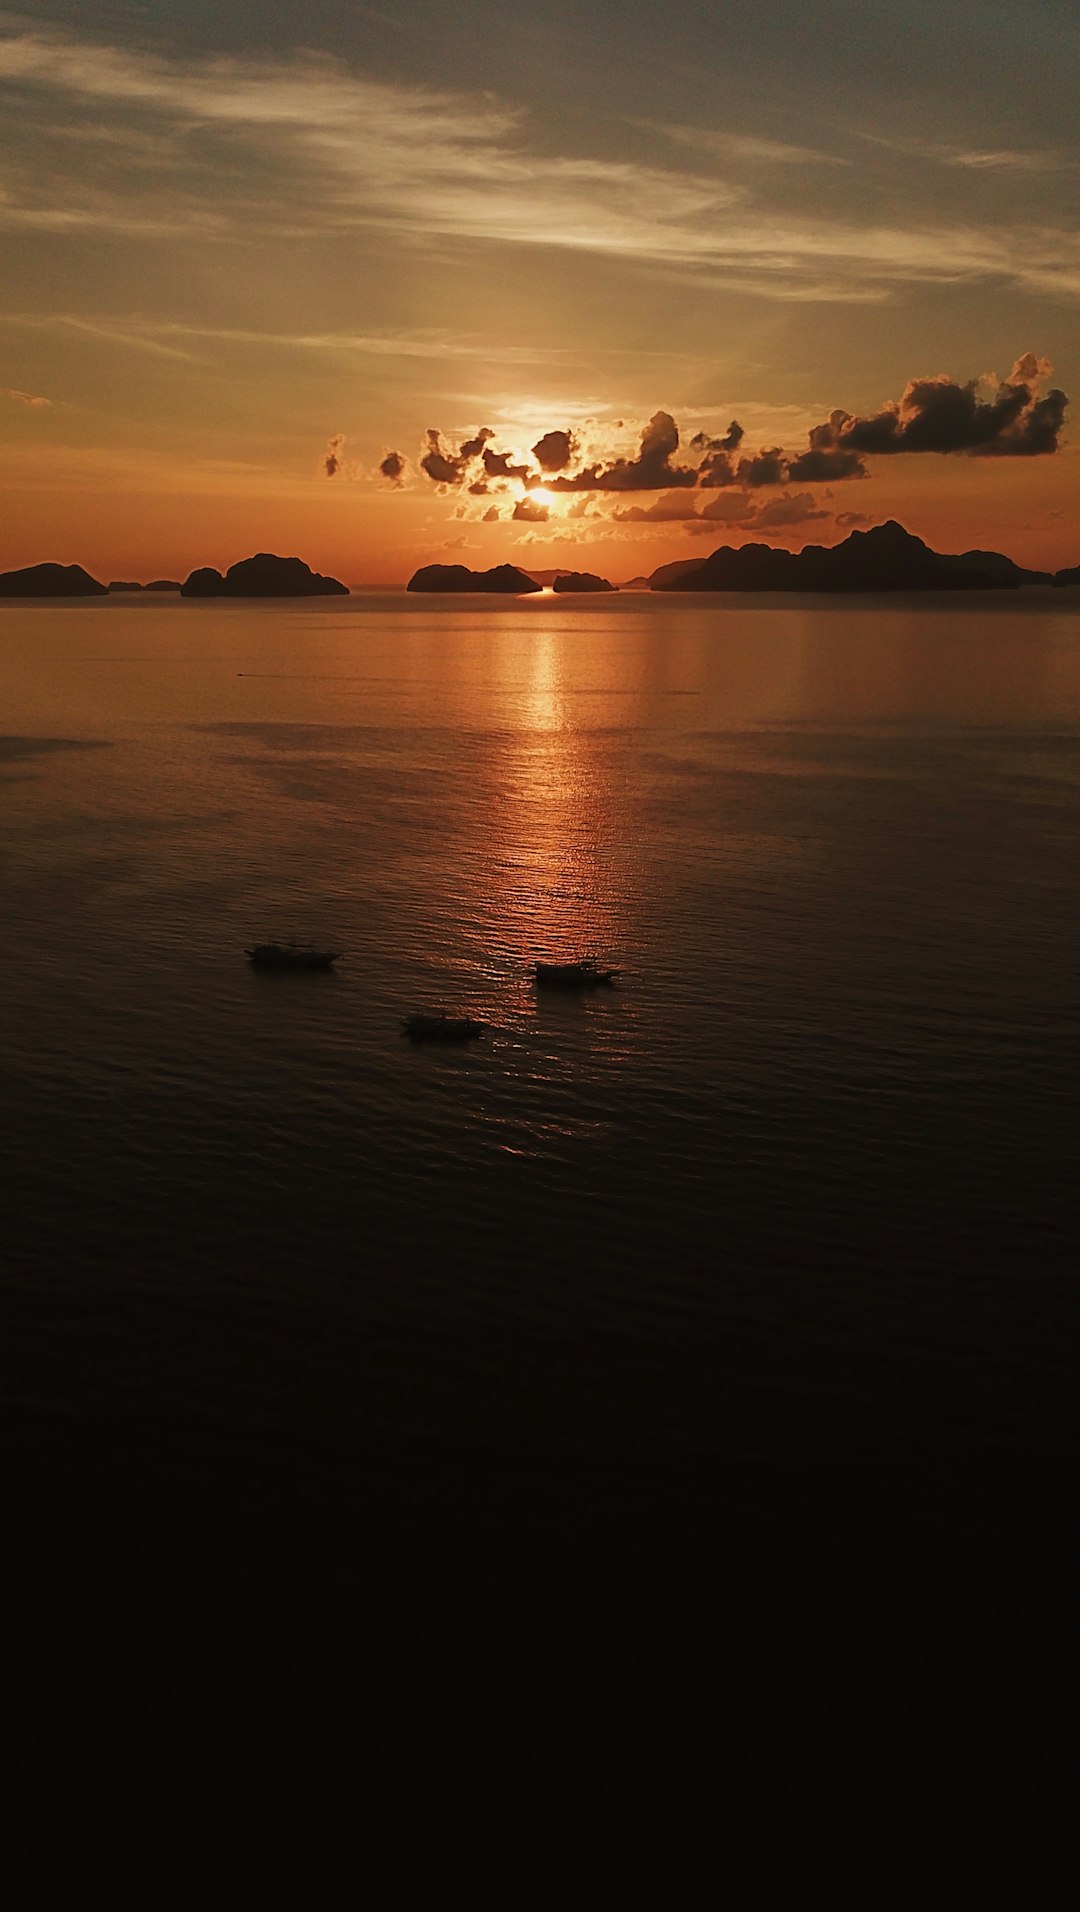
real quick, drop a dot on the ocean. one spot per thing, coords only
(668, 1394)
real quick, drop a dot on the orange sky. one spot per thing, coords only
(224, 255)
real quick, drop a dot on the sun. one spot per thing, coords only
(542, 497)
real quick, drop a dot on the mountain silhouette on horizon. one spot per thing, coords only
(50, 580)
(502, 580)
(885, 558)
(264, 575)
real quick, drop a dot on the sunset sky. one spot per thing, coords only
(261, 262)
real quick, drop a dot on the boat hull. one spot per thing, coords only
(573, 976)
(280, 956)
(442, 1028)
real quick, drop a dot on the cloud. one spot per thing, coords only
(500, 464)
(729, 507)
(801, 508)
(393, 467)
(148, 335)
(332, 458)
(744, 146)
(491, 515)
(998, 418)
(446, 467)
(716, 467)
(651, 470)
(978, 159)
(555, 450)
(531, 511)
(768, 468)
(670, 508)
(1003, 160)
(30, 399)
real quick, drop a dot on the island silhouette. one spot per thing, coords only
(504, 580)
(121, 587)
(581, 581)
(50, 580)
(885, 558)
(264, 575)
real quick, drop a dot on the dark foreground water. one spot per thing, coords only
(665, 1401)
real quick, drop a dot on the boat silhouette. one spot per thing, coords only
(291, 956)
(442, 1028)
(584, 974)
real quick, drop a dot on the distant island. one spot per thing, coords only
(122, 587)
(50, 581)
(262, 576)
(582, 581)
(886, 558)
(1071, 576)
(504, 580)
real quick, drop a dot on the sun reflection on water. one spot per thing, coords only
(553, 869)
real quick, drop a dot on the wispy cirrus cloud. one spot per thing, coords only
(743, 148)
(972, 158)
(32, 400)
(162, 337)
(308, 146)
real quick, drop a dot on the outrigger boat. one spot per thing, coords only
(291, 956)
(581, 975)
(442, 1028)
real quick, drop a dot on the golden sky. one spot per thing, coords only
(249, 253)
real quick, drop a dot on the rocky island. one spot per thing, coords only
(503, 580)
(262, 576)
(122, 587)
(886, 558)
(49, 581)
(582, 581)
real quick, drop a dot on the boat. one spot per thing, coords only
(581, 975)
(442, 1028)
(291, 956)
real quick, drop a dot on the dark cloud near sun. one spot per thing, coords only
(446, 467)
(531, 511)
(393, 467)
(555, 450)
(651, 470)
(725, 508)
(500, 464)
(471, 447)
(987, 418)
(716, 466)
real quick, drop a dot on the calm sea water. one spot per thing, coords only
(802, 1186)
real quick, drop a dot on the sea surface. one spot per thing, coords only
(716, 1303)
